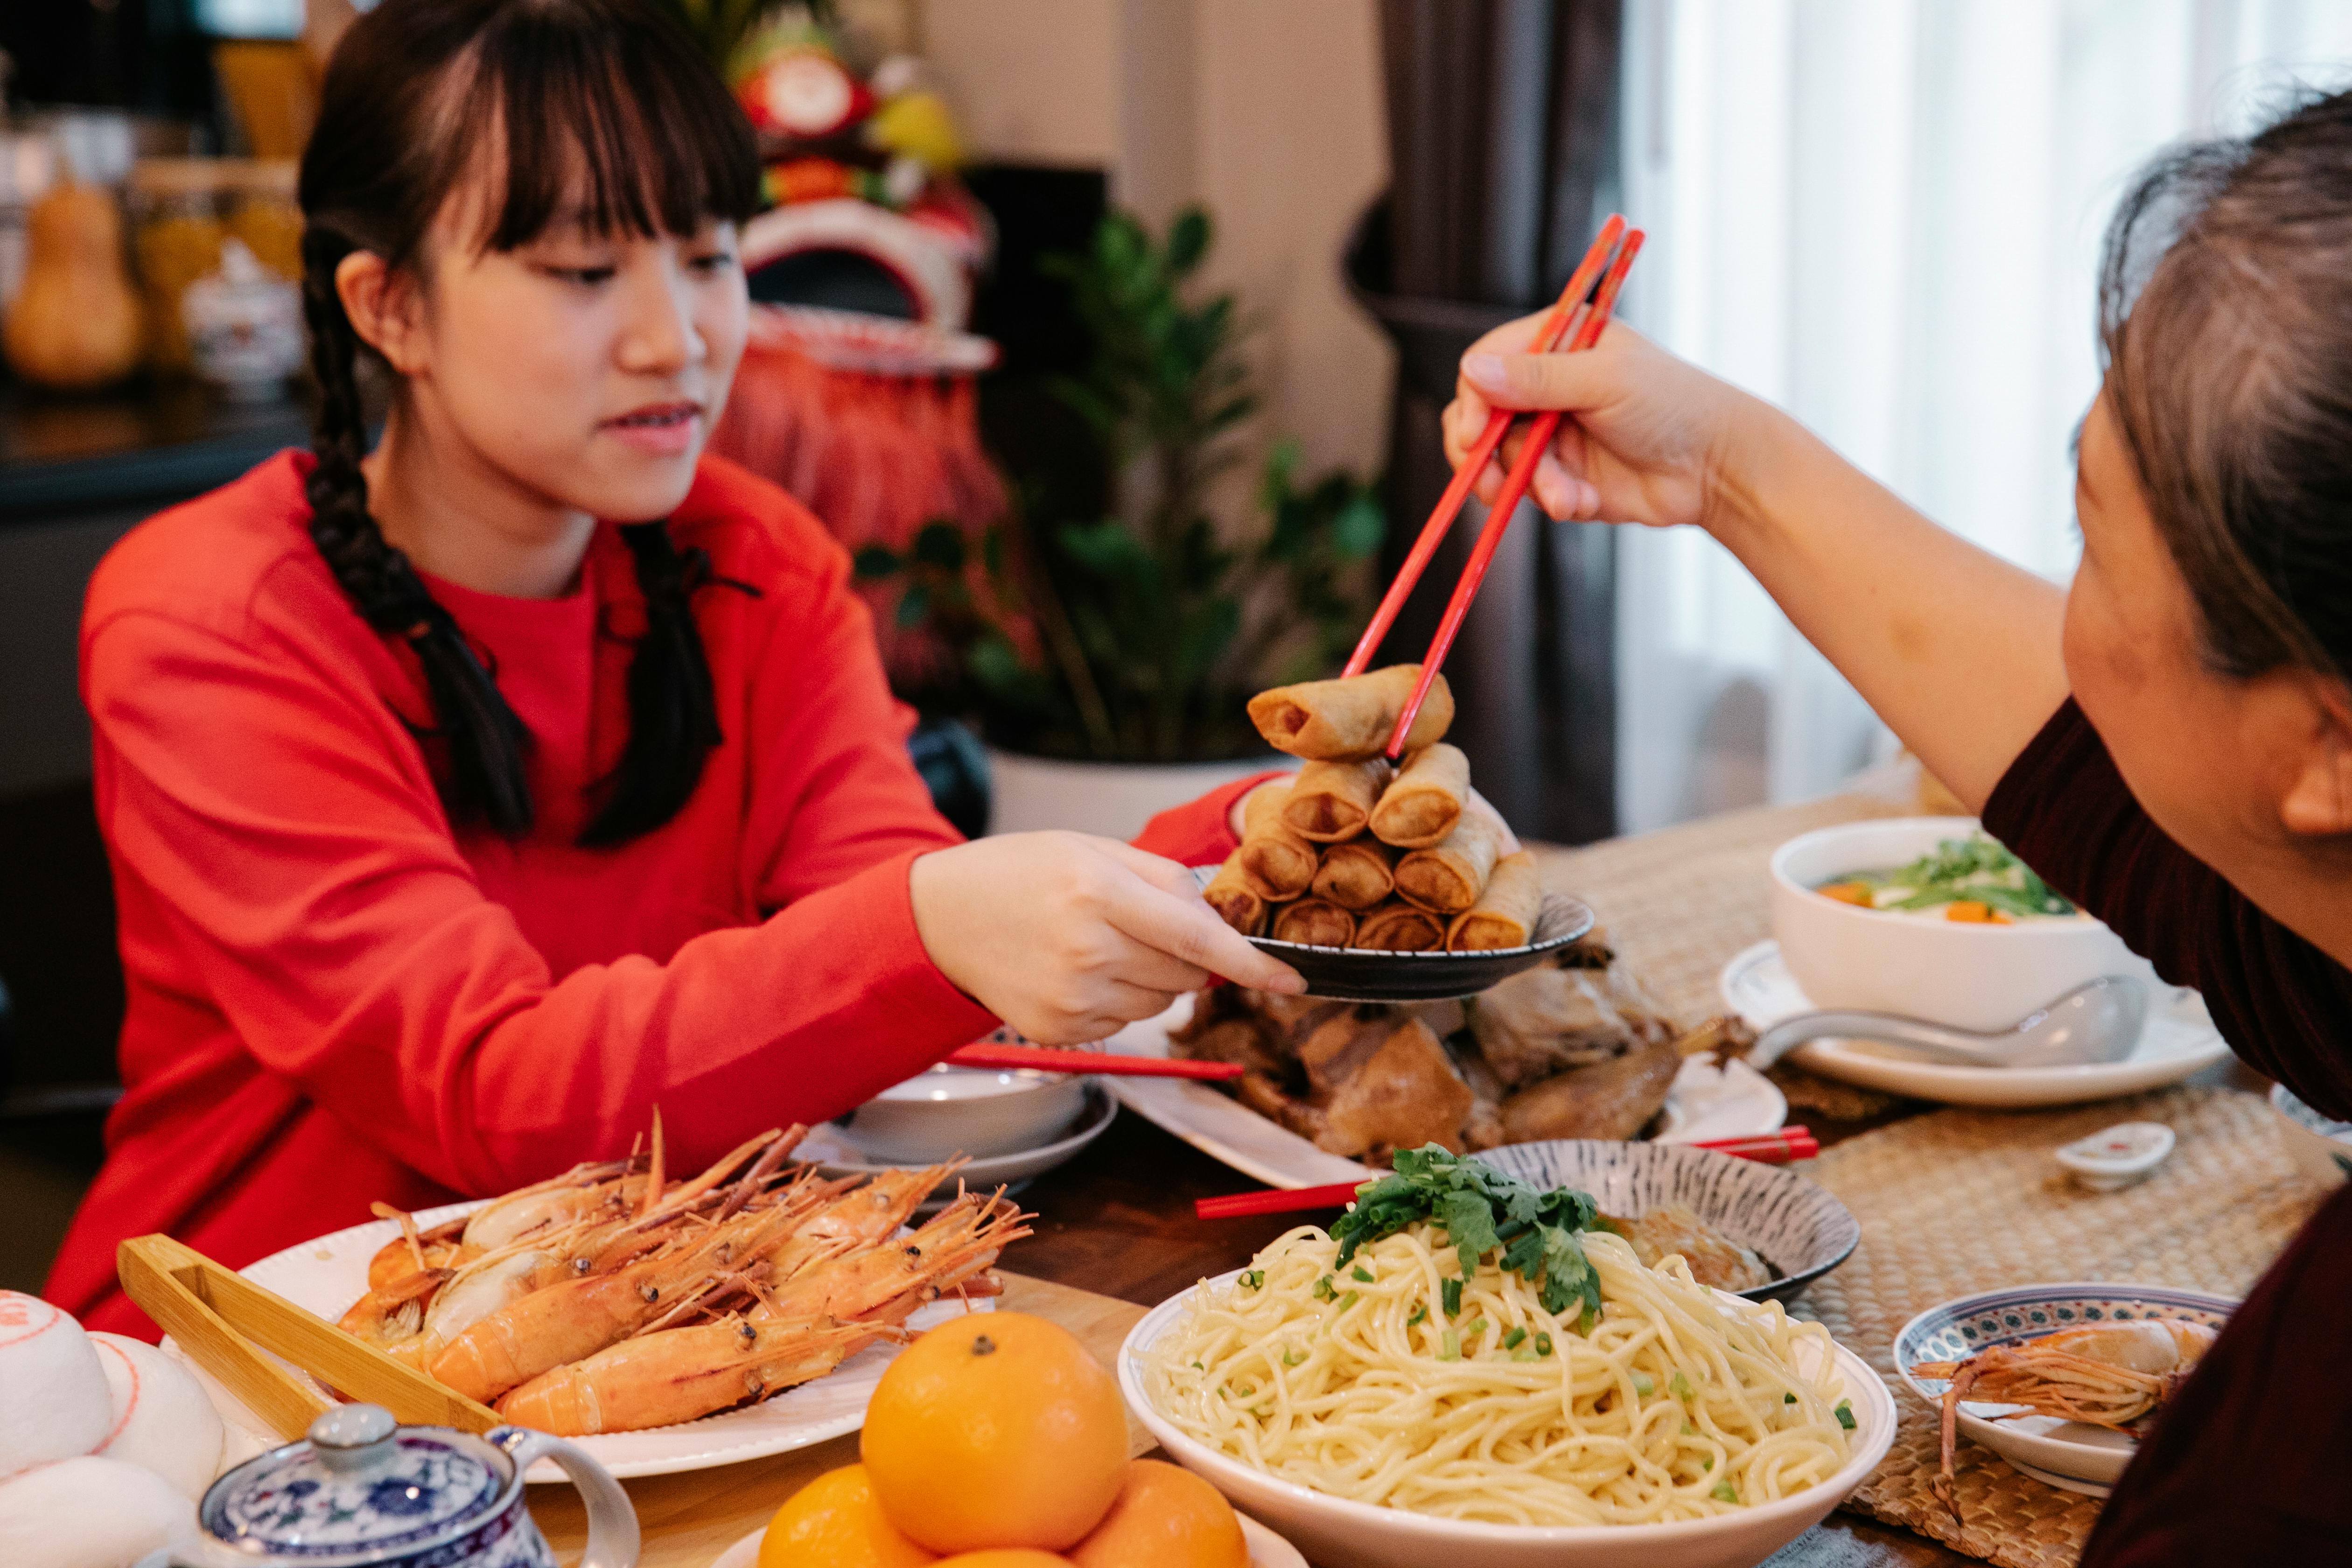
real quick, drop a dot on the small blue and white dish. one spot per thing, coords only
(1796, 1226)
(2320, 1145)
(2071, 1455)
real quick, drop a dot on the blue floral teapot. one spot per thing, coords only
(365, 1492)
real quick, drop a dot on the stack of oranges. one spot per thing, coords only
(996, 1441)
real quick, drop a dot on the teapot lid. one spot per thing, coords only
(361, 1487)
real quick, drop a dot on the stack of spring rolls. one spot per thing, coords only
(1356, 853)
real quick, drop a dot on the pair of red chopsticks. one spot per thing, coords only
(1779, 1148)
(1045, 1059)
(1582, 325)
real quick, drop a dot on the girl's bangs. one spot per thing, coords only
(611, 121)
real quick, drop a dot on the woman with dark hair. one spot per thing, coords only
(471, 797)
(2169, 741)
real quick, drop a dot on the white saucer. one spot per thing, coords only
(836, 1156)
(2179, 1040)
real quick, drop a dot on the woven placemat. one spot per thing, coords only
(1956, 1202)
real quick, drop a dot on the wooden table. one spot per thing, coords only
(1117, 1221)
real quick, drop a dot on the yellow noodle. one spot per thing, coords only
(1352, 1397)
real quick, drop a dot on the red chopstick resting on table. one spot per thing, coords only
(1779, 1148)
(1506, 500)
(1498, 424)
(1100, 1063)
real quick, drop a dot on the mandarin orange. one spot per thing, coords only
(835, 1523)
(1006, 1557)
(1168, 1518)
(995, 1430)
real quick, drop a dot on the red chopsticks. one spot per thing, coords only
(1777, 1148)
(1498, 424)
(1507, 501)
(1102, 1063)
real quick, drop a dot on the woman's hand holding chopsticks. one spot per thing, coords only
(1067, 937)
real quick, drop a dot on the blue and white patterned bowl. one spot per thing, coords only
(2320, 1146)
(2068, 1454)
(1793, 1225)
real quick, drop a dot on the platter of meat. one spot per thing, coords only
(1571, 1047)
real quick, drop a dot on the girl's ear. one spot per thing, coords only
(2318, 801)
(382, 308)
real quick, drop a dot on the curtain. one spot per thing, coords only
(1885, 216)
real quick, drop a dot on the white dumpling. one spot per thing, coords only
(89, 1513)
(162, 1419)
(53, 1401)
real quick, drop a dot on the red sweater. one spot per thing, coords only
(333, 999)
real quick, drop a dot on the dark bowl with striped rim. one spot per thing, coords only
(1798, 1228)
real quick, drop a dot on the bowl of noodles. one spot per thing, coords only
(1385, 1394)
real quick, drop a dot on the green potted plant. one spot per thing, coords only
(1106, 658)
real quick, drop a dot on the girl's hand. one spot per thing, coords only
(1068, 937)
(1649, 439)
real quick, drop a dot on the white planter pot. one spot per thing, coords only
(1113, 800)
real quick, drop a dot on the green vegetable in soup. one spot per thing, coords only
(1977, 869)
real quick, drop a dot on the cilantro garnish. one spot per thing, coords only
(1482, 1210)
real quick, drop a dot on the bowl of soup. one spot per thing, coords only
(1928, 918)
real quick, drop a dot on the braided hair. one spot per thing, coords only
(606, 89)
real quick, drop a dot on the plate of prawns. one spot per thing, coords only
(666, 1322)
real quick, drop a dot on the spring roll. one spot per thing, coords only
(1397, 927)
(1314, 922)
(1334, 721)
(1421, 806)
(1448, 877)
(1504, 914)
(1330, 802)
(1235, 902)
(1354, 876)
(1275, 860)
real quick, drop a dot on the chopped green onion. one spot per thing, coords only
(1349, 1299)
(1725, 1493)
(1292, 1358)
(1198, 1367)
(1707, 1463)
(1360, 1274)
(1543, 1344)
(1254, 1280)
(1644, 1385)
(1689, 1430)
(1788, 1399)
(1419, 1314)
(1525, 1352)
(1511, 1341)
(1477, 1326)
(1451, 1289)
(1322, 1290)
(1846, 1414)
(1450, 1347)
(1678, 1385)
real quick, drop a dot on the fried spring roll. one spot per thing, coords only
(1235, 902)
(1504, 914)
(1449, 876)
(1426, 800)
(1277, 862)
(1314, 922)
(1333, 720)
(1397, 927)
(1330, 802)
(1354, 876)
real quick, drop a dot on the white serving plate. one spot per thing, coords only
(1706, 1101)
(326, 1274)
(2179, 1041)
(1266, 1550)
(835, 1155)
(2074, 1456)
(1364, 1535)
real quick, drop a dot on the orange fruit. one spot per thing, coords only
(1168, 1516)
(835, 1523)
(997, 1430)
(1006, 1557)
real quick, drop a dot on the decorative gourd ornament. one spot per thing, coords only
(75, 322)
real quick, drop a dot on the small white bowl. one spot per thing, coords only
(950, 1110)
(1336, 1530)
(2320, 1146)
(1964, 975)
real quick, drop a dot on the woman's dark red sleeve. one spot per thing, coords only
(2279, 1002)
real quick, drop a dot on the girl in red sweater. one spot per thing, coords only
(471, 797)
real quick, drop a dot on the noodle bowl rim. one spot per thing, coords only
(1871, 1402)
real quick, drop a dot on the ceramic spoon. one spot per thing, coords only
(2099, 1023)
